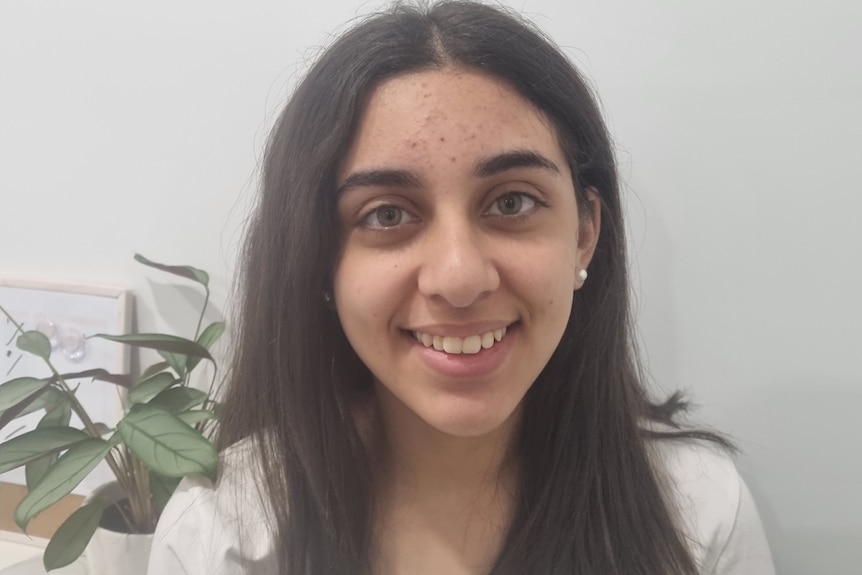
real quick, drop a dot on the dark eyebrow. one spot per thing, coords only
(510, 160)
(484, 168)
(386, 178)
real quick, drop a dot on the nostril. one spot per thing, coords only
(460, 286)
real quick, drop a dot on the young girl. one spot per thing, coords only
(435, 371)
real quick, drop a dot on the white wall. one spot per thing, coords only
(138, 127)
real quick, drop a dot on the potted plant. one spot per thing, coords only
(163, 434)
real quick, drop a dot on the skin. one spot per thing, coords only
(432, 245)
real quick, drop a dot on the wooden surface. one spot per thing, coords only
(44, 524)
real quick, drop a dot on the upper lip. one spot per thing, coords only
(460, 330)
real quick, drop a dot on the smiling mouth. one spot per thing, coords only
(461, 345)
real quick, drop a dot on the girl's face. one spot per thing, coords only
(462, 246)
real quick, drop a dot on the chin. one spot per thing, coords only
(470, 422)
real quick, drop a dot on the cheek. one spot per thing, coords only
(367, 290)
(547, 274)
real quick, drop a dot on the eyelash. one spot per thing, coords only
(522, 196)
(533, 203)
(366, 217)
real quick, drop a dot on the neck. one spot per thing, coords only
(450, 497)
(416, 458)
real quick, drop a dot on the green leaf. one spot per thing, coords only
(34, 444)
(179, 398)
(176, 361)
(207, 338)
(211, 334)
(62, 478)
(35, 342)
(35, 470)
(72, 537)
(101, 429)
(166, 444)
(187, 272)
(115, 439)
(17, 390)
(121, 379)
(151, 387)
(195, 416)
(154, 369)
(50, 399)
(162, 488)
(46, 398)
(160, 342)
(59, 416)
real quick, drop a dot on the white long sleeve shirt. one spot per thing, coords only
(226, 530)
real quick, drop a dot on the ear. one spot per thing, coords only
(589, 226)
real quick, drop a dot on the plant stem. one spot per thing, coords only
(133, 496)
(129, 520)
(203, 312)
(188, 375)
(148, 511)
(209, 403)
(82, 414)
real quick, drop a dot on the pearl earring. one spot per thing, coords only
(328, 300)
(582, 275)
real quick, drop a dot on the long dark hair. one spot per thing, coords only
(590, 500)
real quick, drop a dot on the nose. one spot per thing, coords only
(456, 264)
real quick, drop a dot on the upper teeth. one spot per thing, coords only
(456, 345)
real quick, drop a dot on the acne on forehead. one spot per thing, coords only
(446, 108)
(452, 90)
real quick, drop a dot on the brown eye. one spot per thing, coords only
(512, 204)
(387, 216)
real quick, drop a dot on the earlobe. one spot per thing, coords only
(588, 234)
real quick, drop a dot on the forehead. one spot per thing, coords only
(453, 114)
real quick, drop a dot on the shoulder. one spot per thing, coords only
(715, 509)
(217, 529)
(703, 485)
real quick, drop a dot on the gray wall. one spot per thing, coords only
(139, 126)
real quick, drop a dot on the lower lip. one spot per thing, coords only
(467, 365)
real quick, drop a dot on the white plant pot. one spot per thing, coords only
(113, 553)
